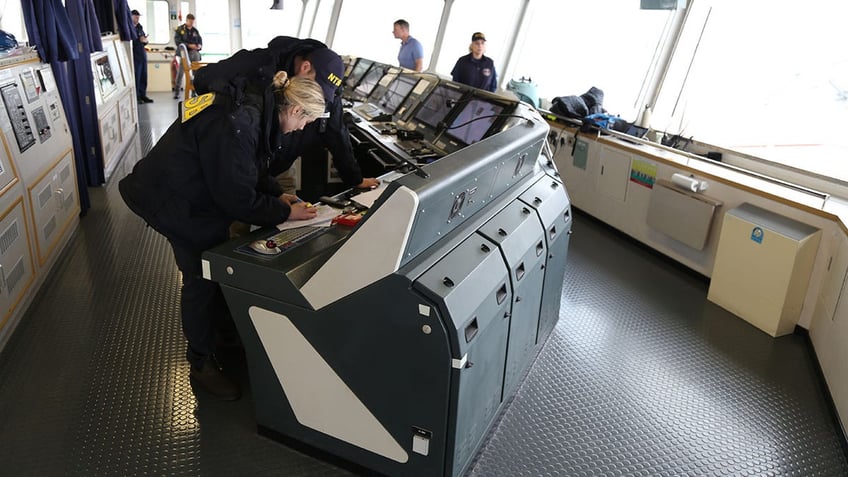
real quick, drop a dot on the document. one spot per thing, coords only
(323, 219)
(367, 198)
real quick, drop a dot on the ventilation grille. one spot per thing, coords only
(50, 228)
(9, 237)
(45, 195)
(69, 201)
(15, 277)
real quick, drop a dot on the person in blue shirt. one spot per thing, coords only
(411, 54)
(476, 69)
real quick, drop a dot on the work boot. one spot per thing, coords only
(209, 377)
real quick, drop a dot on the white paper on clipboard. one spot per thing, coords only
(324, 217)
(367, 198)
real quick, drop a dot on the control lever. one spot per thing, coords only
(337, 203)
(418, 170)
(407, 134)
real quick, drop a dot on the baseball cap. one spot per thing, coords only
(135, 12)
(478, 36)
(329, 70)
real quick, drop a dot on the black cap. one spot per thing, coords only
(329, 70)
(478, 36)
(135, 12)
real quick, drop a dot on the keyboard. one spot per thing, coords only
(284, 240)
(290, 237)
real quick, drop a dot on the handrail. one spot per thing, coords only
(798, 188)
(188, 68)
(689, 155)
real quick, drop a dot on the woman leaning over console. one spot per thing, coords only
(208, 170)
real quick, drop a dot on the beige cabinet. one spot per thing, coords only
(614, 173)
(763, 267)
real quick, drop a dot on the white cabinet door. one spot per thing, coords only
(614, 173)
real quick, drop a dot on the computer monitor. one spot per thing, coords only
(438, 105)
(474, 120)
(396, 93)
(418, 94)
(369, 81)
(359, 69)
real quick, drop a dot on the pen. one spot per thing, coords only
(299, 200)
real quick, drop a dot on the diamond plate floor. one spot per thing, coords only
(642, 376)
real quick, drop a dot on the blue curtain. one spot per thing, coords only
(65, 37)
(114, 15)
(87, 31)
(49, 29)
(123, 20)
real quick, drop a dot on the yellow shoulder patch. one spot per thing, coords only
(193, 106)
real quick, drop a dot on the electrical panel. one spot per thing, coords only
(39, 203)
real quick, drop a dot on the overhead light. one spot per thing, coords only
(277, 5)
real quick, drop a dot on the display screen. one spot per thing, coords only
(437, 106)
(396, 93)
(369, 81)
(361, 67)
(475, 119)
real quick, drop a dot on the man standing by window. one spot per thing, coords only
(140, 60)
(411, 53)
(187, 34)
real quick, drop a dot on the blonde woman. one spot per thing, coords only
(208, 170)
(476, 69)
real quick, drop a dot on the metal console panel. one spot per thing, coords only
(520, 236)
(550, 200)
(396, 344)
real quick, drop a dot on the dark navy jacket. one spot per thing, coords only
(184, 34)
(477, 73)
(137, 45)
(207, 172)
(261, 64)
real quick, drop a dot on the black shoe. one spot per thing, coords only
(212, 380)
(140, 101)
(146, 99)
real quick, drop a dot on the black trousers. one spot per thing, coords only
(202, 306)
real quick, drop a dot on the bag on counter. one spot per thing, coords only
(599, 121)
(578, 107)
(569, 106)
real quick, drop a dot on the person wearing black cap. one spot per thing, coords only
(300, 58)
(476, 69)
(140, 59)
(209, 169)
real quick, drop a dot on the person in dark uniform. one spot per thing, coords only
(475, 69)
(187, 34)
(209, 169)
(140, 59)
(300, 58)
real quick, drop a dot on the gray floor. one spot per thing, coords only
(641, 377)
